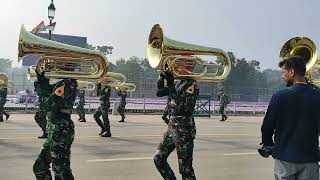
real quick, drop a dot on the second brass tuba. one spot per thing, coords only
(60, 60)
(180, 58)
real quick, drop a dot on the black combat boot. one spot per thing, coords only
(107, 134)
(7, 116)
(122, 119)
(44, 136)
(82, 120)
(222, 118)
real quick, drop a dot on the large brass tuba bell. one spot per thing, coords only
(307, 50)
(180, 58)
(300, 46)
(59, 60)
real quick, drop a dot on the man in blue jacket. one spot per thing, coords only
(290, 127)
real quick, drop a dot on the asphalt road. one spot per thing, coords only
(223, 150)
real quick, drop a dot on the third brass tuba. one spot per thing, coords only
(180, 58)
(307, 50)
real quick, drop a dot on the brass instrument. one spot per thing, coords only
(128, 87)
(180, 58)
(59, 60)
(5, 82)
(300, 46)
(307, 50)
(82, 85)
(112, 79)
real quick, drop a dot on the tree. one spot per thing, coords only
(5, 65)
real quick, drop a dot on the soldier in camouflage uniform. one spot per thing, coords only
(3, 100)
(40, 116)
(80, 107)
(166, 111)
(122, 105)
(181, 128)
(103, 110)
(60, 129)
(223, 104)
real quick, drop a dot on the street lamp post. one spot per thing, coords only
(51, 12)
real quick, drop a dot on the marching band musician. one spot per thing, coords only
(60, 129)
(181, 128)
(80, 107)
(41, 113)
(3, 100)
(103, 110)
(122, 106)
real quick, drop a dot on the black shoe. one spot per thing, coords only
(82, 120)
(102, 131)
(44, 136)
(107, 134)
(7, 116)
(226, 117)
(122, 120)
(222, 119)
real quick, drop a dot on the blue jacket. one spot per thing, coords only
(293, 117)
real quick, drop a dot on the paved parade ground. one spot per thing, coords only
(223, 150)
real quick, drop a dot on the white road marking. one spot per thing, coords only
(240, 154)
(120, 159)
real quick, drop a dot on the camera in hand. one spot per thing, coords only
(265, 151)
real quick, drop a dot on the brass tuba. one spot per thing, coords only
(82, 85)
(128, 87)
(307, 50)
(112, 79)
(180, 58)
(300, 46)
(59, 60)
(5, 82)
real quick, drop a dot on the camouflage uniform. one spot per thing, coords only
(166, 112)
(3, 100)
(223, 105)
(181, 128)
(80, 107)
(41, 113)
(103, 111)
(122, 105)
(60, 129)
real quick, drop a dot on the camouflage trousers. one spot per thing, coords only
(56, 150)
(40, 118)
(222, 109)
(102, 111)
(121, 109)
(80, 110)
(165, 114)
(181, 139)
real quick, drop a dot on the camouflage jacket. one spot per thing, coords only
(104, 95)
(123, 95)
(183, 96)
(62, 96)
(223, 100)
(81, 97)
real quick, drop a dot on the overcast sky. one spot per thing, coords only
(252, 29)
